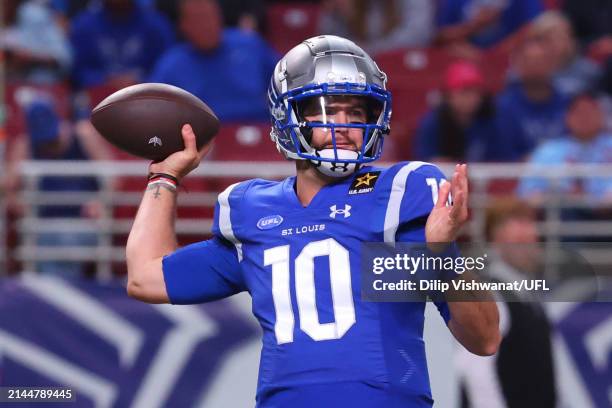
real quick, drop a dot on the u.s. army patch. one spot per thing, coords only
(364, 183)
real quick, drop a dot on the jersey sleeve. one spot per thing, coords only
(202, 272)
(209, 270)
(414, 192)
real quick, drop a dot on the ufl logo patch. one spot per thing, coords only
(364, 183)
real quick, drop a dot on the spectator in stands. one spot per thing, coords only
(586, 142)
(521, 374)
(117, 43)
(574, 73)
(37, 49)
(53, 139)
(592, 22)
(483, 22)
(530, 109)
(229, 68)
(248, 15)
(462, 128)
(380, 25)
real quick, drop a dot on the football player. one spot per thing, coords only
(295, 245)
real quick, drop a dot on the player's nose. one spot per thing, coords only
(341, 117)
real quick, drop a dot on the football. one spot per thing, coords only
(146, 119)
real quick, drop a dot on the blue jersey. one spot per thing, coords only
(322, 344)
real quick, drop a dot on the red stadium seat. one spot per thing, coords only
(290, 24)
(495, 68)
(408, 67)
(415, 77)
(244, 142)
(241, 142)
(553, 4)
(96, 94)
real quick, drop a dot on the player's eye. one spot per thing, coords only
(358, 116)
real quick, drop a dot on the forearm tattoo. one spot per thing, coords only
(156, 188)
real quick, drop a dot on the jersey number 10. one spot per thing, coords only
(342, 295)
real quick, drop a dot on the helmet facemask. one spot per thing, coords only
(347, 122)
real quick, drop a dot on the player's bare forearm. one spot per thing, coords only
(152, 236)
(475, 323)
(474, 316)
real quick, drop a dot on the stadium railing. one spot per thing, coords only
(487, 182)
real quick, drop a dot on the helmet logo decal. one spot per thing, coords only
(155, 141)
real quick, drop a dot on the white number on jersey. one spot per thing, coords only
(435, 185)
(340, 279)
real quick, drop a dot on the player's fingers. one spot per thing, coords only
(457, 210)
(456, 181)
(189, 138)
(443, 195)
(464, 178)
(466, 186)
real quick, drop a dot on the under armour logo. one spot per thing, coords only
(342, 167)
(346, 211)
(155, 141)
(335, 166)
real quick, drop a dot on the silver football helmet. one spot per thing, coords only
(310, 76)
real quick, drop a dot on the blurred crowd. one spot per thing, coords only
(473, 80)
(552, 53)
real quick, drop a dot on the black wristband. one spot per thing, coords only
(168, 176)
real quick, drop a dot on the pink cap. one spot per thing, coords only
(463, 74)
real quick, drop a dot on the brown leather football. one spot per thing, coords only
(146, 119)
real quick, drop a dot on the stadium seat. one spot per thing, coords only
(414, 80)
(290, 24)
(553, 4)
(96, 94)
(244, 142)
(407, 67)
(495, 68)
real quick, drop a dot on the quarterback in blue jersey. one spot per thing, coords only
(295, 245)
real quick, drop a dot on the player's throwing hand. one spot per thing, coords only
(179, 164)
(445, 220)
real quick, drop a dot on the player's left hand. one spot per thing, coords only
(445, 220)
